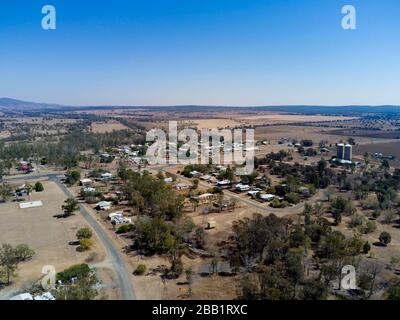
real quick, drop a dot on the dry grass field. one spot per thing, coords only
(47, 235)
(288, 118)
(275, 133)
(103, 127)
(4, 134)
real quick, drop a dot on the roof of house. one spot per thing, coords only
(206, 195)
(104, 204)
(22, 296)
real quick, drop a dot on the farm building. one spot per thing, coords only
(85, 182)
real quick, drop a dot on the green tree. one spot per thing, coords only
(195, 202)
(385, 165)
(340, 206)
(84, 288)
(70, 206)
(6, 192)
(393, 292)
(10, 258)
(39, 186)
(385, 238)
(85, 244)
(140, 270)
(366, 158)
(195, 184)
(84, 233)
(72, 177)
(189, 280)
(24, 252)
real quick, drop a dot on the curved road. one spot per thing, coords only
(123, 277)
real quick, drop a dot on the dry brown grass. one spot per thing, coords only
(47, 235)
(103, 127)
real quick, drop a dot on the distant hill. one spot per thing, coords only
(13, 105)
(18, 106)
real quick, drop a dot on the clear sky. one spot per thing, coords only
(207, 52)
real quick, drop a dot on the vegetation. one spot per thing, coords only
(10, 258)
(6, 192)
(39, 187)
(125, 228)
(140, 270)
(385, 238)
(150, 196)
(70, 206)
(84, 233)
(85, 245)
(78, 283)
(72, 177)
(272, 252)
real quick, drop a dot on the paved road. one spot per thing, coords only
(118, 264)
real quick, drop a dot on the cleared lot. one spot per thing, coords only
(47, 235)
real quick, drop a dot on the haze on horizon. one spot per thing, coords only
(209, 52)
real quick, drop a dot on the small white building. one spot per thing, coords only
(211, 224)
(85, 182)
(206, 177)
(223, 183)
(195, 173)
(242, 187)
(22, 297)
(47, 296)
(253, 193)
(30, 204)
(116, 214)
(267, 197)
(116, 220)
(106, 176)
(181, 186)
(205, 197)
(103, 205)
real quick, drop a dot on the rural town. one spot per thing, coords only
(211, 152)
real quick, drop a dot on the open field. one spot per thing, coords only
(287, 118)
(387, 149)
(4, 134)
(275, 133)
(47, 235)
(103, 127)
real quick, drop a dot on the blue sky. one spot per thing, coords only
(207, 52)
